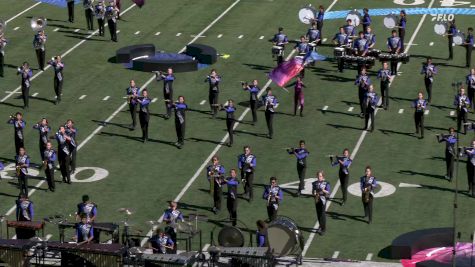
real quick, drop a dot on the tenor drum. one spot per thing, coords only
(307, 15)
(459, 38)
(384, 57)
(440, 28)
(339, 51)
(284, 237)
(390, 21)
(277, 50)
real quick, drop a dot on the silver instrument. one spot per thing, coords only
(38, 23)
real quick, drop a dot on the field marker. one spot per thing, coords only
(363, 134)
(157, 34)
(431, 43)
(16, 28)
(401, 111)
(118, 31)
(426, 112)
(409, 185)
(178, 34)
(55, 30)
(369, 256)
(62, 56)
(325, 108)
(335, 254)
(77, 30)
(202, 102)
(105, 98)
(220, 35)
(350, 109)
(452, 113)
(324, 40)
(35, 94)
(82, 97)
(19, 14)
(154, 100)
(262, 37)
(137, 32)
(240, 36)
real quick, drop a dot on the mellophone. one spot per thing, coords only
(99, 255)
(28, 225)
(109, 228)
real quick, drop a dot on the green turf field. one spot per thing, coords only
(144, 176)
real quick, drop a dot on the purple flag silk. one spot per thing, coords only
(139, 3)
(283, 73)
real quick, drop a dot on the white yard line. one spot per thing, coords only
(452, 113)
(77, 30)
(154, 100)
(106, 98)
(431, 43)
(137, 32)
(202, 102)
(35, 94)
(401, 111)
(55, 30)
(21, 13)
(335, 254)
(16, 28)
(325, 108)
(426, 112)
(157, 34)
(220, 35)
(82, 97)
(262, 37)
(369, 256)
(178, 34)
(324, 40)
(350, 109)
(240, 36)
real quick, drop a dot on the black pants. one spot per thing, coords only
(368, 208)
(280, 59)
(112, 29)
(471, 94)
(253, 106)
(144, 118)
(25, 94)
(2, 57)
(71, 11)
(249, 178)
(298, 103)
(19, 143)
(58, 88)
(100, 24)
(230, 128)
(271, 210)
(361, 94)
(42, 150)
(471, 178)
(64, 164)
(213, 102)
(369, 114)
(385, 94)
(451, 48)
(269, 119)
(133, 114)
(232, 209)
(344, 178)
(449, 164)
(428, 84)
(461, 117)
(180, 131)
(23, 183)
(89, 19)
(321, 215)
(419, 121)
(402, 33)
(319, 28)
(40, 56)
(217, 196)
(301, 172)
(340, 63)
(72, 163)
(393, 66)
(50, 177)
(168, 107)
(468, 55)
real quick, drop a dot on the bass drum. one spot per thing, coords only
(390, 21)
(284, 237)
(307, 15)
(230, 236)
(459, 38)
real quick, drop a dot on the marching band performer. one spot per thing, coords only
(395, 47)
(213, 80)
(450, 142)
(469, 47)
(247, 164)
(18, 126)
(58, 66)
(253, 102)
(261, 234)
(161, 243)
(89, 12)
(451, 31)
(298, 96)
(171, 217)
(99, 11)
(84, 231)
(70, 10)
(420, 105)
(321, 193)
(144, 114)
(367, 185)
(470, 153)
(349, 28)
(64, 154)
(280, 39)
(133, 93)
(363, 82)
(371, 102)
(72, 132)
(341, 40)
(366, 19)
(111, 16)
(360, 48)
(371, 37)
(313, 35)
(86, 208)
(470, 80)
(319, 19)
(3, 43)
(26, 74)
(429, 70)
(302, 49)
(49, 157)
(215, 175)
(301, 153)
(180, 110)
(230, 109)
(39, 44)
(271, 103)
(24, 209)
(44, 130)
(462, 103)
(384, 75)
(232, 182)
(22, 163)
(344, 162)
(168, 79)
(273, 195)
(402, 27)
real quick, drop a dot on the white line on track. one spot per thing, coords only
(401, 111)
(77, 30)
(335, 254)
(55, 30)
(137, 32)
(369, 256)
(262, 37)
(157, 34)
(426, 112)
(350, 109)
(19, 14)
(363, 134)
(240, 36)
(202, 102)
(63, 55)
(35, 94)
(325, 108)
(178, 34)
(154, 100)
(106, 98)
(16, 28)
(220, 35)
(82, 97)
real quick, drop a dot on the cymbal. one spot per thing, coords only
(127, 211)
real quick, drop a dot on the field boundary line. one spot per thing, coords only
(21, 13)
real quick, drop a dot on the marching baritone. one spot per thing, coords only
(273, 195)
(270, 103)
(366, 19)
(49, 157)
(58, 66)
(89, 13)
(215, 174)
(18, 125)
(420, 105)
(100, 11)
(363, 82)
(319, 19)
(180, 112)
(394, 47)
(26, 74)
(470, 153)
(321, 193)
(371, 102)
(247, 165)
(344, 163)
(213, 80)
(229, 108)
(84, 231)
(22, 163)
(384, 75)
(367, 185)
(279, 40)
(232, 182)
(450, 142)
(301, 153)
(470, 80)
(451, 31)
(72, 132)
(70, 10)
(24, 213)
(168, 79)
(171, 217)
(64, 154)
(298, 96)
(469, 47)
(44, 129)
(144, 114)
(133, 92)
(429, 70)
(253, 102)
(3, 43)
(402, 27)
(462, 103)
(161, 243)
(39, 42)
(111, 16)
(342, 41)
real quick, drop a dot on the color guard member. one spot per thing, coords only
(298, 96)
(420, 105)
(462, 103)
(18, 125)
(58, 67)
(429, 70)
(450, 142)
(213, 80)
(215, 175)
(253, 102)
(344, 163)
(367, 185)
(273, 195)
(26, 74)
(144, 114)
(384, 75)
(301, 153)
(22, 163)
(49, 157)
(321, 193)
(133, 92)
(168, 79)
(271, 103)
(247, 164)
(39, 42)
(44, 130)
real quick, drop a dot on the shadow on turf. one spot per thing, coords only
(29, 186)
(103, 123)
(194, 139)
(206, 112)
(43, 99)
(89, 39)
(444, 189)
(338, 112)
(410, 172)
(385, 253)
(339, 126)
(251, 133)
(427, 56)
(350, 103)
(344, 217)
(386, 132)
(136, 138)
(11, 105)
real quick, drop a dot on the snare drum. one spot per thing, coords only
(339, 51)
(284, 237)
(390, 21)
(459, 38)
(277, 50)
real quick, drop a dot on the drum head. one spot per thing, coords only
(440, 28)
(458, 39)
(281, 240)
(306, 15)
(390, 21)
(355, 17)
(230, 236)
